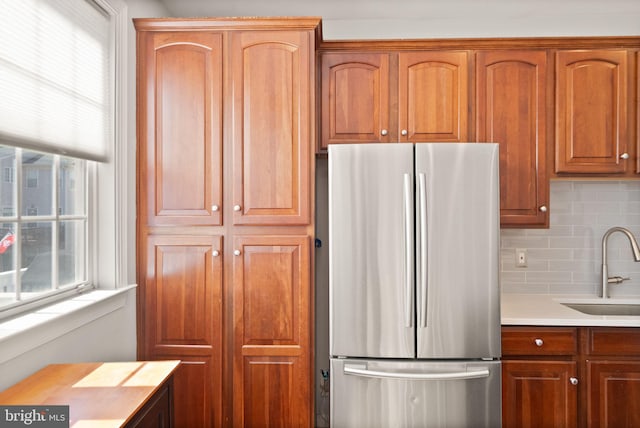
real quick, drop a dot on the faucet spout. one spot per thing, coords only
(635, 249)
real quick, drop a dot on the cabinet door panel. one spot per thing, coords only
(433, 96)
(183, 320)
(183, 294)
(538, 394)
(591, 116)
(355, 98)
(271, 387)
(271, 298)
(272, 86)
(614, 394)
(180, 126)
(197, 394)
(511, 111)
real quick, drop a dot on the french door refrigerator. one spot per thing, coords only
(414, 285)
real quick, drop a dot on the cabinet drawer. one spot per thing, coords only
(614, 341)
(539, 341)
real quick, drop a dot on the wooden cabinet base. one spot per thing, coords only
(109, 395)
(570, 377)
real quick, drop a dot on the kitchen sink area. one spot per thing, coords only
(606, 308)
(570, 310)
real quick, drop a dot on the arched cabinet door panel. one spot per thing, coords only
(592, 91)
(180, 128)
(355, 98)
(511, 109)
(272, 86)
(433, 98)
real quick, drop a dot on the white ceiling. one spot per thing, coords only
(436, 18)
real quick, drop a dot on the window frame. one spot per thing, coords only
(107, 183)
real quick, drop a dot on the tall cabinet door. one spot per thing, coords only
(272, 86)
(181, 107)
(592, 134)
(272, 341)
(183, 320)
(512, 99)
(433, 98)
(355, 98)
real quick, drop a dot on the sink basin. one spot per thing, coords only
(624, 309)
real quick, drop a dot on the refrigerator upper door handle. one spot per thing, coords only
(361, 370)
(408, 249)
(422, 262)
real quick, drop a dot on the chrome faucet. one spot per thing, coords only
(606, 280)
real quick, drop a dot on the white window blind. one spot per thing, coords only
(56, 84)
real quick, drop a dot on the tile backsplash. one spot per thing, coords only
(567, 257)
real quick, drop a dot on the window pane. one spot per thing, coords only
(7, 263)
(36, 256)
(8, 183)
(71, 190)
(37, 183)
(72, 251)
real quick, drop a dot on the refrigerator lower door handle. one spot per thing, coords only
(361, 370)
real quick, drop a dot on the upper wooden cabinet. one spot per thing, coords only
(180, 107)
(270, 117)
(272, 123)
(592, 112)
(511, 109)
(433, 96)
(373, 97)
(355, 98)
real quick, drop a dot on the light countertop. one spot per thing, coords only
(104, 395)
(545, 309)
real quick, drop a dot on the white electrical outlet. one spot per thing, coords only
(521, 257)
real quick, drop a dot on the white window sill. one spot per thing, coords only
(27, 332)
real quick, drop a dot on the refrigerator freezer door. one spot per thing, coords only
(371, 256)
(369, 393)
(458, 278)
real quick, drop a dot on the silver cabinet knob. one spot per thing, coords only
(237, 207)
(624, 156)
(404, 132)
(384, 132)
(539, 342)
(573, 380)
(543, 209)
(215, 253)
(214, 208)
(236, 252)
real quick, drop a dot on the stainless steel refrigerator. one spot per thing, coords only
(414, 285)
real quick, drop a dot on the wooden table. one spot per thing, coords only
(101, 395)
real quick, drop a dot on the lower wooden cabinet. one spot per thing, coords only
(539, 394)
(570, 377)
(613, 397)
(271, 298)
(182, 319)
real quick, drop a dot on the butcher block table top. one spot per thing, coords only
(99, 395)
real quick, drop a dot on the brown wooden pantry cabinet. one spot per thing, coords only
(226, 137)
(570, 376)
